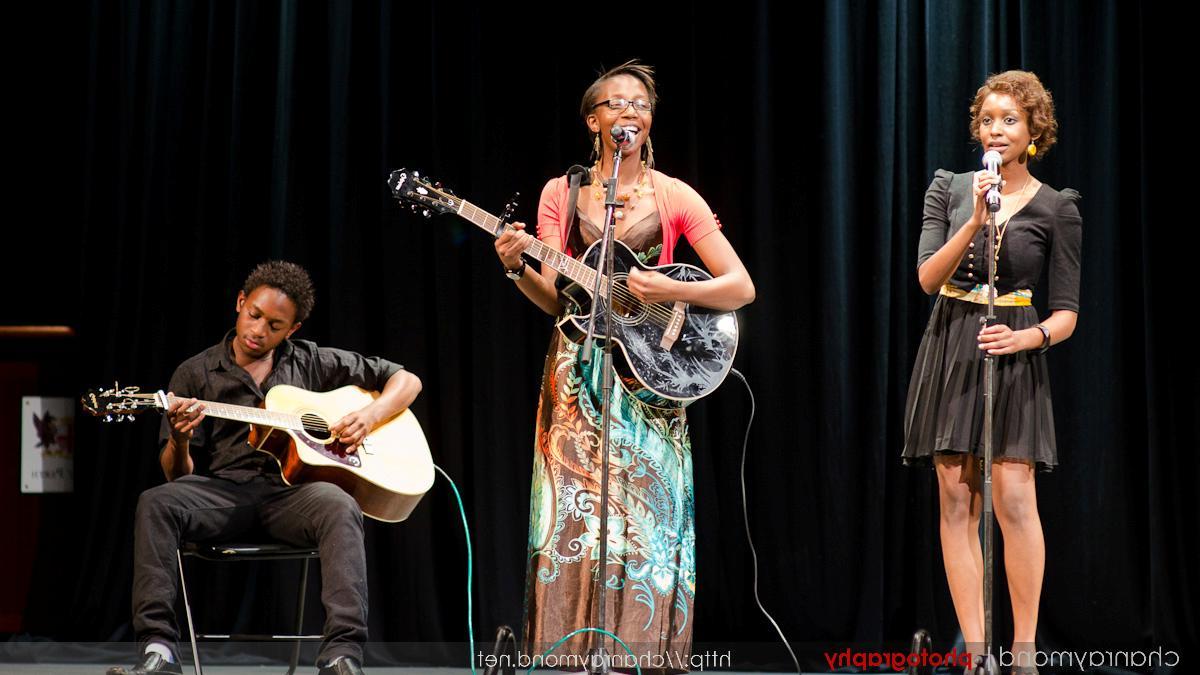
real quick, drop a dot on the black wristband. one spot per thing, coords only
(517, 273)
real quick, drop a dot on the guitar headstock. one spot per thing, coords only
(421, 195)
(118, 404)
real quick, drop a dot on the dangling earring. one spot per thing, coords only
(1032, 149)
(648, 154)
(595, 147)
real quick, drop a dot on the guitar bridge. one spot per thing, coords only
(671, 334)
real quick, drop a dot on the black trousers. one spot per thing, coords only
(200, 508)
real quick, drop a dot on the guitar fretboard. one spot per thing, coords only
(573, 269)
(249, 415)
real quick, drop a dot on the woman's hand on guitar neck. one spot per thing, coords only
(535, 284)
(184, 415)
(510, 245)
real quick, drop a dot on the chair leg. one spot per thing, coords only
(299, 617)
(187, 607)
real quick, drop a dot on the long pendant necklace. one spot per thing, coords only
(1001, 229)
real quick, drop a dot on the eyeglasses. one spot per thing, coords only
(639, 104)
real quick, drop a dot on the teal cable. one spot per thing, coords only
(470, 561)
(584, 630)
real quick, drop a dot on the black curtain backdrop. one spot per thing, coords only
(164, 148)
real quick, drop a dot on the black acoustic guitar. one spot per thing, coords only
(678, 351)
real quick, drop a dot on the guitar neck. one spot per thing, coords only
(566, 265)
(247, 414)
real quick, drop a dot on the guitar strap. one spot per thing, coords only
(575, 176)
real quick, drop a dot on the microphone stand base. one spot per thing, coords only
(598, 661)
(986, 666)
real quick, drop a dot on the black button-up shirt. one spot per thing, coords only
(219, 446)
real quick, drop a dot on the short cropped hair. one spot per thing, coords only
(289, 278)
(633, 68)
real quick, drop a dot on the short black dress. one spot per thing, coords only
(944, 411)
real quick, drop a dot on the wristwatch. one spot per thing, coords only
(517, 273)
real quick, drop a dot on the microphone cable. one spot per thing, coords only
(746, 521)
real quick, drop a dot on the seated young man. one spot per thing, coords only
(242, 490)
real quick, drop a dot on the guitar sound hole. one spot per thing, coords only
(627, 309)
(315, 426)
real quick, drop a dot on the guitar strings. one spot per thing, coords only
(310, 422)
(663, 312)
(284, 420)
(657, 310)
(654, 309)
(315, 425)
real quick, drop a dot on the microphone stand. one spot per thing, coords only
(598, 660)
(985, 665)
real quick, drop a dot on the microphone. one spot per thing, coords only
(622, 135)
(991, 162)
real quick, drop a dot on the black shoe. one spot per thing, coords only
(342, 665)
(152, 662)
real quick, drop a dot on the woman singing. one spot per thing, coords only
(1037, 228)
(650, 566)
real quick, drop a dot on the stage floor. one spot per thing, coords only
(226, 658)
(99, 669)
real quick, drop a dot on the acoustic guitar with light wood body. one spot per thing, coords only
(387, 473)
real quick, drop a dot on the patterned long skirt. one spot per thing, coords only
(650, 571)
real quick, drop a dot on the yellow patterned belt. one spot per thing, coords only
(1018, 298)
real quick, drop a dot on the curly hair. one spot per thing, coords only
(289, 278)
(1033, 98)
(639, 71)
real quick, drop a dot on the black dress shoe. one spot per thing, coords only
(342, 665)
(152, 662)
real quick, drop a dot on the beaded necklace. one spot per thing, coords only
(628, 198)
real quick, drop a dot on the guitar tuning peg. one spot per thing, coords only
(129, 418)
(510, 208)
(108, 418)
(426, 213)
